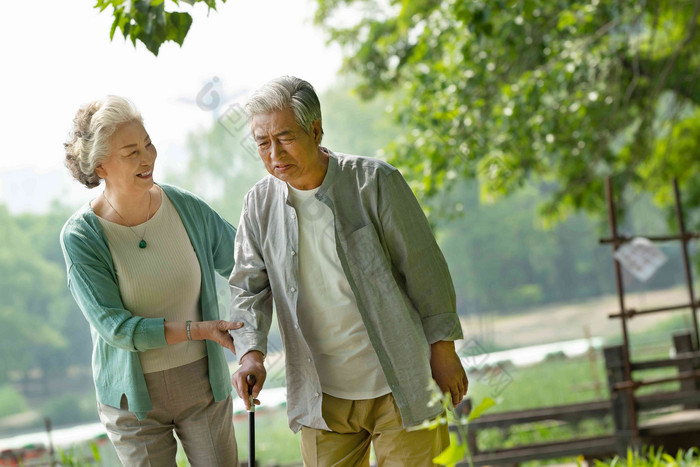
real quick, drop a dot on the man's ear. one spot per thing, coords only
(317, 130)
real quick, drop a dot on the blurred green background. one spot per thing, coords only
(505, 117)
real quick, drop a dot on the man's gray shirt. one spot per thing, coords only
(394, 266)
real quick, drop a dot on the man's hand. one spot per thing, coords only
(251, 364)
(448, 371)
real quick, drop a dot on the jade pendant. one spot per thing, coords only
(142, 244)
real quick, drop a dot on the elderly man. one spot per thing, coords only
(364, 299)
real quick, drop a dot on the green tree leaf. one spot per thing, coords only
(454, 453)
(484, 405)
(178, 27)
(148, 22)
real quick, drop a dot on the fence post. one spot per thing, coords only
(620, 402)
(683, 343)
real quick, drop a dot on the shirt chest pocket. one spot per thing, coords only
(366, 257)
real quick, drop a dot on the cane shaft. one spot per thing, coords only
(251, 438)
(250, 380)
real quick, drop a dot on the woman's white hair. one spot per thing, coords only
(88, 142)
(283, 93)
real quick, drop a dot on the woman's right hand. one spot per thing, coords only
(217, 331)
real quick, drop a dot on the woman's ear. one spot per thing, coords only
(100, 171)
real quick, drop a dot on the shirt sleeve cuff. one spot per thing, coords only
(442, 327)
(249, 344)
(150, 334)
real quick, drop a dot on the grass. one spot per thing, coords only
(649, 457)
(553, 382)
(11, 401)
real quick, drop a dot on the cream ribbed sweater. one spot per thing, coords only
(161, 280)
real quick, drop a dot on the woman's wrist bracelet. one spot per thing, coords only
(189, 332)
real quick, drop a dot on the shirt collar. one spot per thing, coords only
(328, 180)
(331, 173)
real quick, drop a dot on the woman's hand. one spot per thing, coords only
(217, 331)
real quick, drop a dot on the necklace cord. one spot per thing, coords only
(142, 243)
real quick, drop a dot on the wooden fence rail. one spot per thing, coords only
(675, 431)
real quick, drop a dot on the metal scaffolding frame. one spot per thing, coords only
(616, 240)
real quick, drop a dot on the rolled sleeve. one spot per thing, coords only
(442, 327)
(149, 334)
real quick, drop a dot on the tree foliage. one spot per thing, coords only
(38, 320)
(223, 163)
(355, 126)
(567, 92)
(503, 260)
(149, 22)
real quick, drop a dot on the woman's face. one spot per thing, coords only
(132, 156)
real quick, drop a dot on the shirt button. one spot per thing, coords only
(292, 289)
(316, 394)
(308, 360)
(294, 215)
(296, 326)
(294, 252)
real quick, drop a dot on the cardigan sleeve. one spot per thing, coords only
(92, 284)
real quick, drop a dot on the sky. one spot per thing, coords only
(57, 56)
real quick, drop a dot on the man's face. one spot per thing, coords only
(288, 152)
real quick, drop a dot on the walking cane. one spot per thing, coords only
(250, 379)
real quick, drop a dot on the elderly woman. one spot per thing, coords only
(141, 260)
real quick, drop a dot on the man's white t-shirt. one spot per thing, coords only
(346, 362)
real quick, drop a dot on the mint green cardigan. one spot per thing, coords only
(117, 334)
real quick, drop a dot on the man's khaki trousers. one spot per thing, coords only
(358, 424)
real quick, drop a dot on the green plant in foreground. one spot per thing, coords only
(649, 457)
(74, 456)
(458, 448)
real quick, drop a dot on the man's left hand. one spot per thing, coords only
(448, 371)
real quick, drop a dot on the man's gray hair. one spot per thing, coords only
(283, 93)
